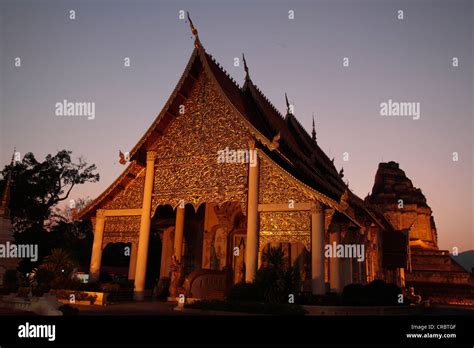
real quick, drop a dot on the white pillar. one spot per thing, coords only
(145, 221)
(318, 286)
(251, 255)
(96, 258)
(335, 278)
(133, 261)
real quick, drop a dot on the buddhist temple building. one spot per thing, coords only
(220, 176)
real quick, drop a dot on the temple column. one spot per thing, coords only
(178, 233)
(402, 277)
(335, 278)
(318, 286)
(251, 255)
(176, 271)
(96, 258)
(145, 221)
(133, 261)
(166, 253)
(347, 271)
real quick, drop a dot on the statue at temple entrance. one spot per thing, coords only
(239, 259)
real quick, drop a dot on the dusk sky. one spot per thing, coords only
(409, 60)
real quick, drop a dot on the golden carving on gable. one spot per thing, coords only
(276, 187)
(187, 165)
(131, 197)
(328, 216)
(121, 229)
(291, 227)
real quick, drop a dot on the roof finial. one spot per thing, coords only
(313, 133)
(194, 31)
(288, 110)
(246, 68)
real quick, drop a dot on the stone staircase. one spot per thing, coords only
(438, 278)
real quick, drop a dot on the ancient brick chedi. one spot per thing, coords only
(431, 272)
(403, 205)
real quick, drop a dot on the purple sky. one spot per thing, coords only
(408, 60)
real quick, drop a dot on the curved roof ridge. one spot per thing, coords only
(301, 126)
(302, 133)
(231, 78)
(268, 101)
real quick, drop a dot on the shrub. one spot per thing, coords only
(276, 281)
(23, 291)
(377, 293)
(40, 289)
(105, 277)
(43, 276)
(383, 294)
(11, 281)
(58, 262)
(354, 295)
(270, 285)
(78, 296)
(110, 287)
(68, 310)
(94, 286)
(274, 258)
(68, 283)
(246, 292)
(330, 299)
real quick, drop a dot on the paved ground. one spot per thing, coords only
(146, 308)
(166, 308)
(130, 308)
(449, 310)
(9, 312)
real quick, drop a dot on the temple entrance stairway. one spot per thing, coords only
(438, 278)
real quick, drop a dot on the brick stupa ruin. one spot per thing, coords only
(432, 272)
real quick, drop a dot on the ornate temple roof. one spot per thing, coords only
(298, 153)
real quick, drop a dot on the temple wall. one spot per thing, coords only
(132, 196)
(220, 222)
(417, 219)
(187, 165)
(276, 187)
(214, 247)
(121, 229)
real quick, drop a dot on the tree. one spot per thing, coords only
(59, 263)
(277, 279)
(274, 258)
(36, 190)
(68, 213)
(37, 187)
